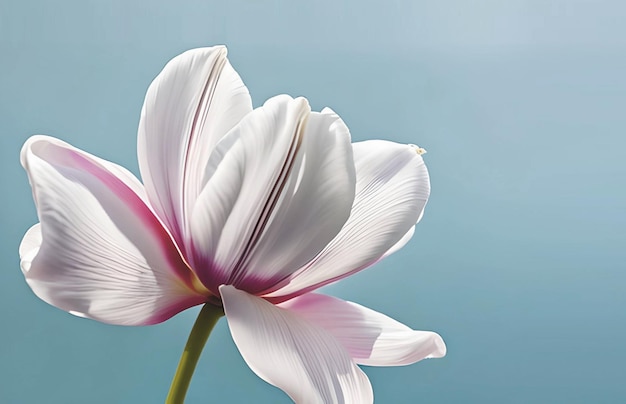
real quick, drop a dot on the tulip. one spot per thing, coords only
(247, 211)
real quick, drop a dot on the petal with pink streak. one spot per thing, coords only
(99, 251)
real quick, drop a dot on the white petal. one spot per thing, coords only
(392, 187)
(99, 251)
(292, 354)
(279, 188)
(29, 247)
(403, 241)
(370, 337)
(189, 107)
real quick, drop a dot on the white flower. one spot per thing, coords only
(249, 209)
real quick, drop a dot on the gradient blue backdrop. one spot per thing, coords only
(519, 262)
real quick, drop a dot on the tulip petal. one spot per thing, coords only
(189, 107)
(392, 187)
(29, 247)
(287, 351)
(99, 251)
(370, 337)
(279, 188)
(403, 241)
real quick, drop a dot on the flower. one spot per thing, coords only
(249, 209)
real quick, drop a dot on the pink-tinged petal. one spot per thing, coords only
(392, 187)
(291, 353)
(99, 251)
(189, 107)
(370, 337)
(279, 188)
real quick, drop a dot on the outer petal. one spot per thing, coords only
(279, 188)
(190, 105)
(99, 251)
(370, 337)
(392, 187)
(293, 354)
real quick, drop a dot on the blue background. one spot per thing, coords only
(519, 262)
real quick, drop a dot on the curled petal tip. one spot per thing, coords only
(440, 347)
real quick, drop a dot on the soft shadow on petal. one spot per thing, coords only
(99, 251)
(370, 337)
(280, 187)
(293, 354)
(392, 187)
(189, 107)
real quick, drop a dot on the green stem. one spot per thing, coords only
(197, 338)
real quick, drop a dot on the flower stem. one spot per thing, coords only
(197, 338)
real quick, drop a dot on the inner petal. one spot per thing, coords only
(278, 189)
(189, 107)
